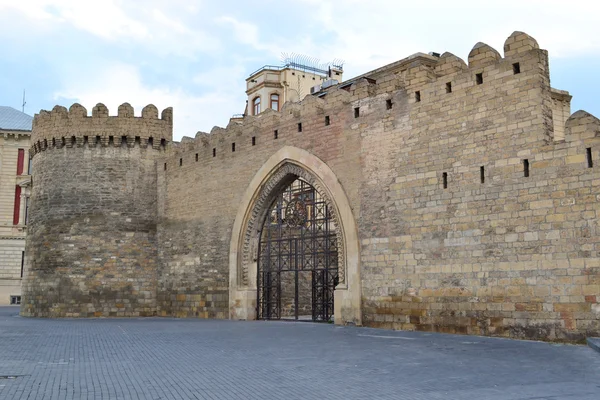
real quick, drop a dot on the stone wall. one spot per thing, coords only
(200, 194)
(475, 201)
(494, 252)
(91, 248)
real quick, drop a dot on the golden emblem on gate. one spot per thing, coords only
(296, 213)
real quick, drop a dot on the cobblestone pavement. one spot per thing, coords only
(164, 358)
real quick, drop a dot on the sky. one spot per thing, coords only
(194, 55)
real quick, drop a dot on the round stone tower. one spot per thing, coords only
(91, 240)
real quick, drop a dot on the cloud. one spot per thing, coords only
(370, 34)
(119, 83)
(248, 33)
(124, 22)
(105, 19)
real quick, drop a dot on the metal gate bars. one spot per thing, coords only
(298, 258)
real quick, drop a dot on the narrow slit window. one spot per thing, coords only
(356, 112)
(196, 157)
(180, 162)
(165, 166)
(253, 140)
(232, 147)
(590, 161)
(445, 180)
(388, 104)
(417, 96)
(448, 87)
(479, 78)
(275, 134)
(526, 168)
(482, 174)
(516, 68)
(327, 121)
(299, 126)
(214, 151)
(22, 263)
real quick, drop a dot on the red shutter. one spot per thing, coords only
(17, 205)
(20, 159)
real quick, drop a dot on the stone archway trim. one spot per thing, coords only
(242, 267)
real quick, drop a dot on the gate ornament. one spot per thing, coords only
(296, 213)
(254, 225)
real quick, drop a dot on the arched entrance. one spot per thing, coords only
(297, 256)
(271, 180)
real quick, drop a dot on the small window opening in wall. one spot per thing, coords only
(388, 104)
(137, 141)
(590, 161)
(275, 134)
(327, 121)
(163, 143)
(180, 162)
(111, 140)
(293, 73)
(123, 140)
(526, 168)
(482, 174)
(214, 151)
(165, 166)
(356, 112)
(232, 147)
(196, 157)
(445, 180)
(417, 96)
(15, 300)
(516, 68)
(448, 87)
(479, 78)
(150, 142)
(253, 140)
(299, 126)
(97, 139)
(85, 140)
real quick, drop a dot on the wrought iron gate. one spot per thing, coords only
(298, 258)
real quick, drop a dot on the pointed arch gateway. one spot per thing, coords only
(288, 168)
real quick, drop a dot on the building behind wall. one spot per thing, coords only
(463, 196)
(272, 86)
(15, 134)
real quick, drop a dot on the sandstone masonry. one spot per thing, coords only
(466, 197)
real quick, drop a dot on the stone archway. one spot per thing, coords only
(283, 167)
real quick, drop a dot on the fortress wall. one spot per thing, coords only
(198, 201)
(512, 256)
(91, 244)
(509, 247)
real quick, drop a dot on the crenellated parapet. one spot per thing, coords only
(426, 80)
(74, 128)
(582, 125)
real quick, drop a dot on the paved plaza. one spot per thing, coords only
(164, 358)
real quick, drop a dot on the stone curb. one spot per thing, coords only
(594, 343)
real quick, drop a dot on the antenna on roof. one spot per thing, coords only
(24, 102)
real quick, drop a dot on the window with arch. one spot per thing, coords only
(256, 105)
(275, 101)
